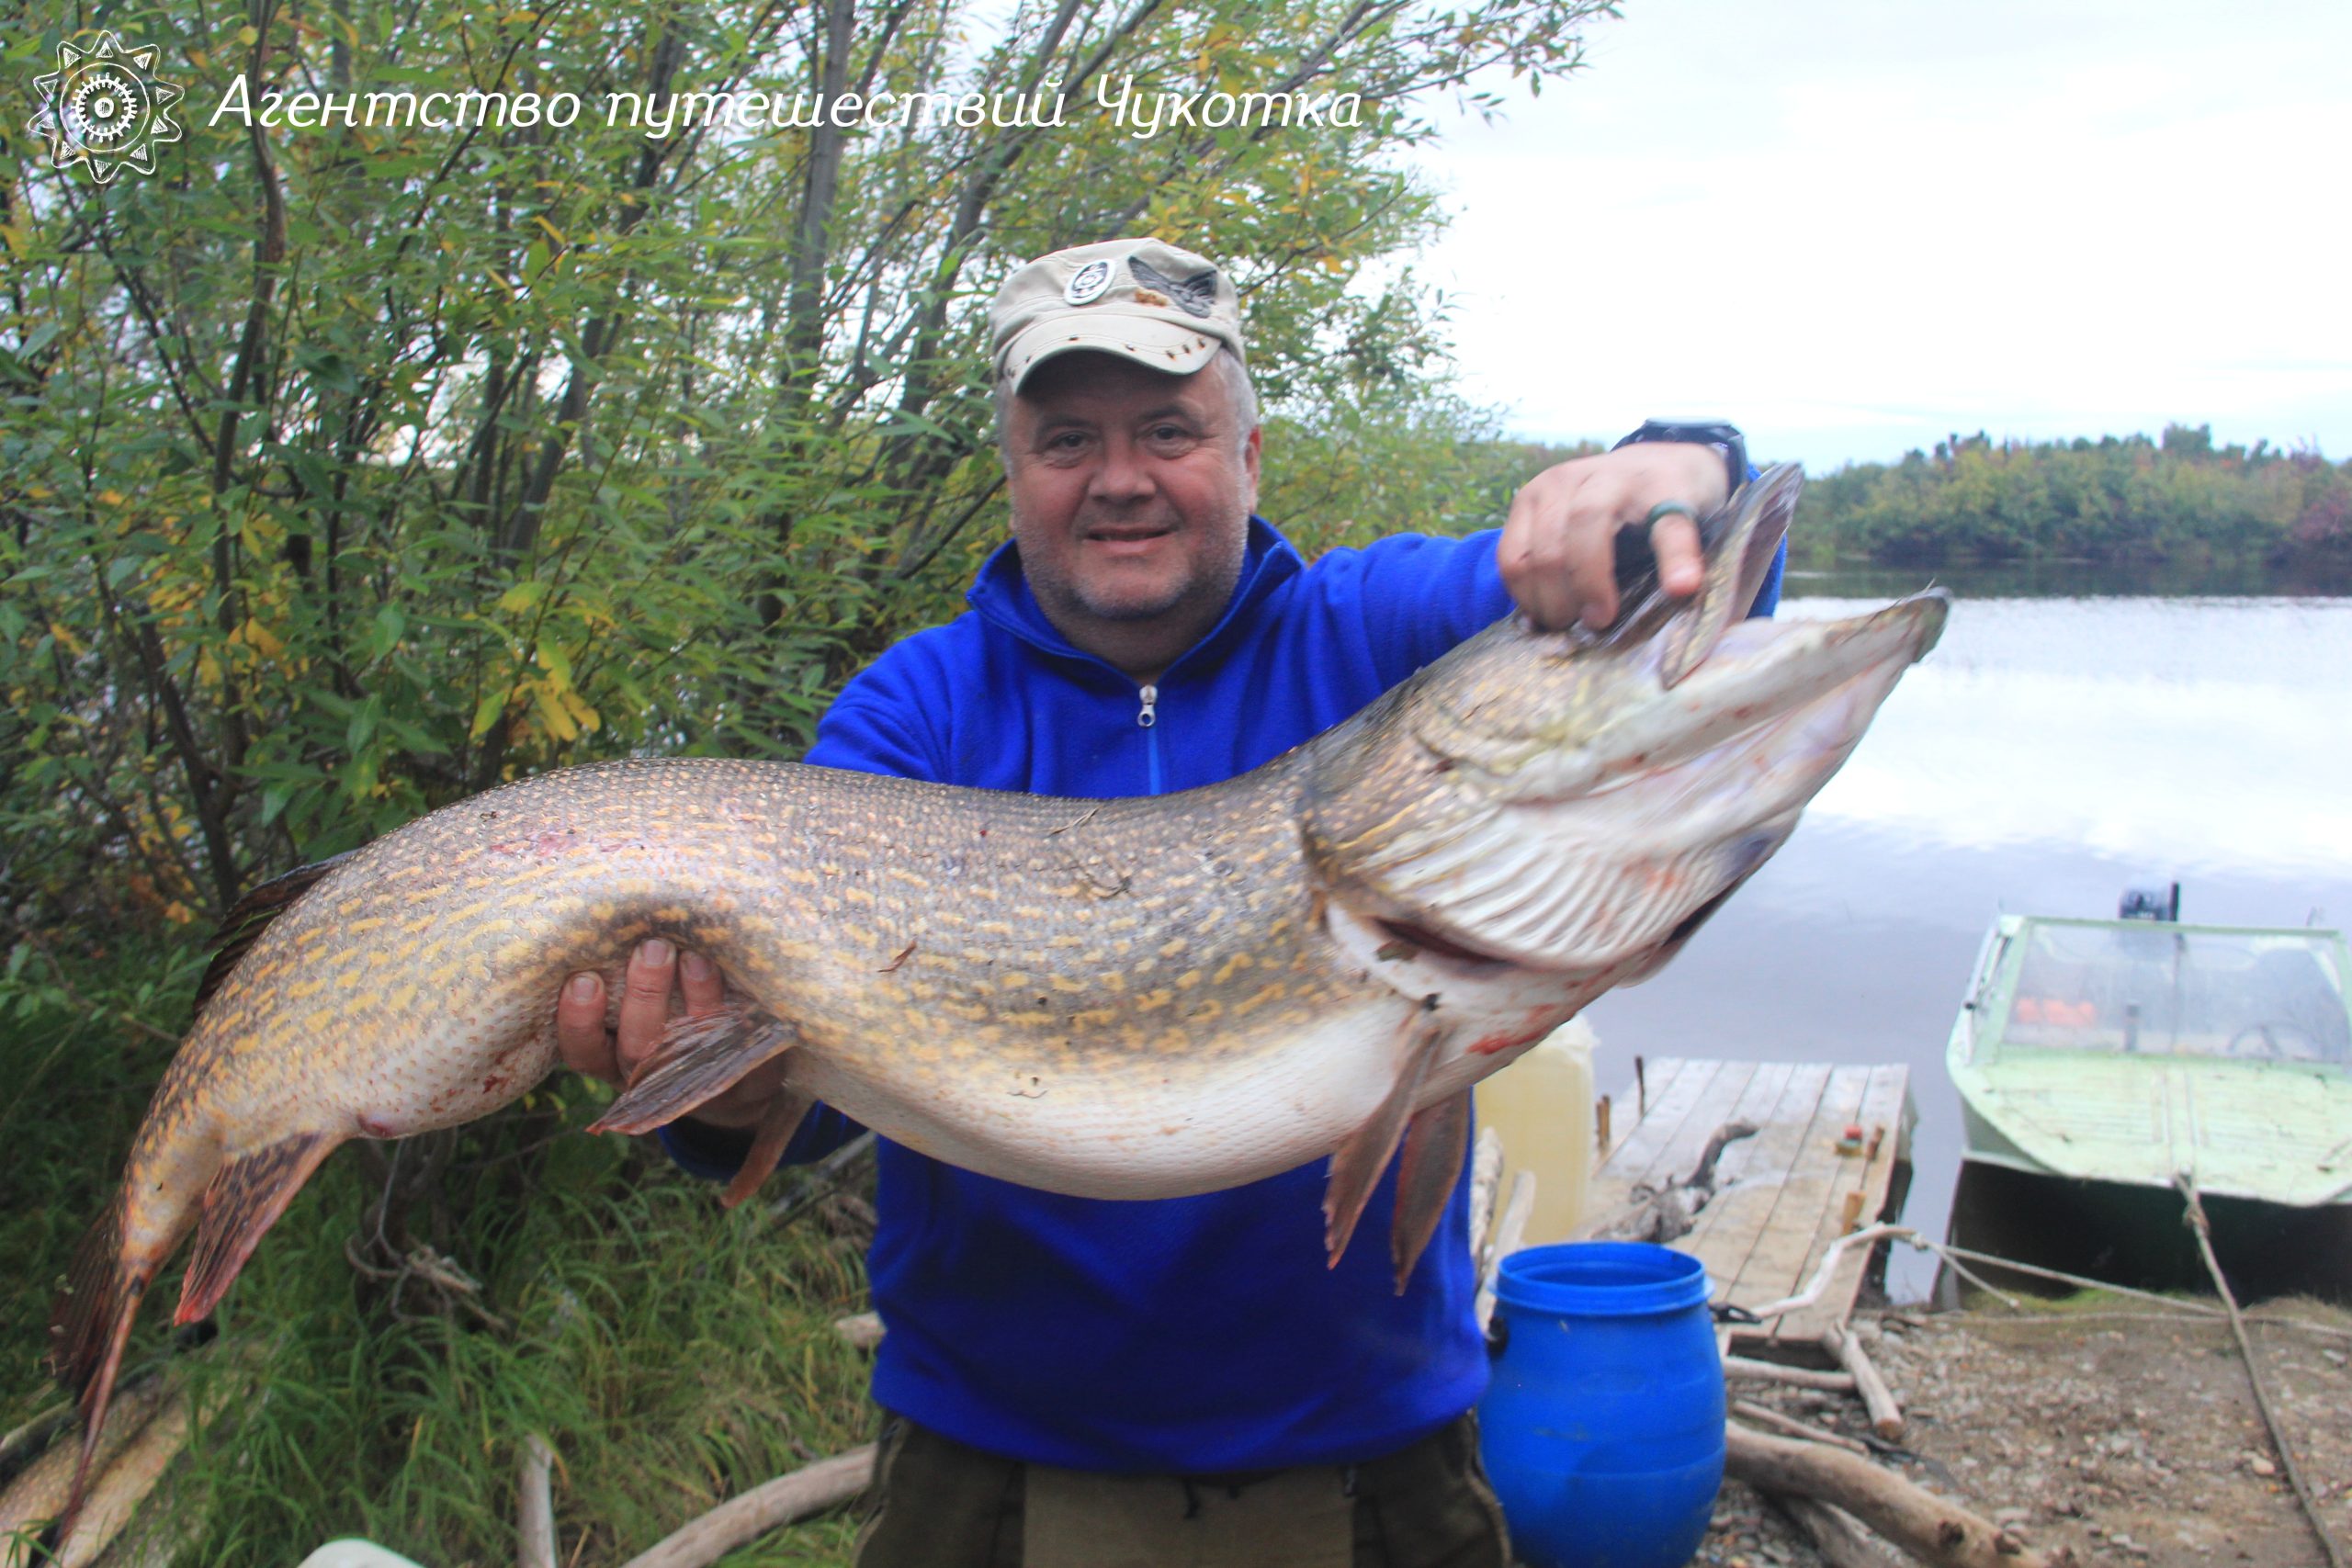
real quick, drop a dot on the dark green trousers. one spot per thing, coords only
(935, 1502)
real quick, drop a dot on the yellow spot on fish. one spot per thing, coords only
(1258, 997)
(1173, 946)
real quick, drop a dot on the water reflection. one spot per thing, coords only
(2051, 752)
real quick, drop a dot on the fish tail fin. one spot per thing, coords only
(698, 1058)
(89, 1328)
(782, 1118)
(1356, 1166)
(244, 1201)
(1425, 1174)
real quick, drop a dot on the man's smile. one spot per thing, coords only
(1126, 538)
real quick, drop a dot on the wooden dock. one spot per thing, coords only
(1782, 1196)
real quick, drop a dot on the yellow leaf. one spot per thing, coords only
(552, 715)
(261, 640)
(110, 497)
(577, 706)
(247, 36)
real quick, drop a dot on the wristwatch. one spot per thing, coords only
(1725, 438)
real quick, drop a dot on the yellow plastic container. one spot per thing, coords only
(1542, 1105)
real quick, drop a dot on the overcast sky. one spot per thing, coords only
(1852, 226)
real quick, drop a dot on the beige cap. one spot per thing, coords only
(1138, 299)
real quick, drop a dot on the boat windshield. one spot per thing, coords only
(2158, 990)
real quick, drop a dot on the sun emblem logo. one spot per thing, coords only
(102, 107)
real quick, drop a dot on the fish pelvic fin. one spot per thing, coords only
(782, 1118)
(698, 1059)
(251, 914)
(1427, 1171)
(244, 1201)
(89, 1328)
(1356, 1167)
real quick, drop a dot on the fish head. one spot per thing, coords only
(1576, 803)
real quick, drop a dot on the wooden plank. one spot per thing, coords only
(1756, 1108)
(1655, 1131)
(1817, 1175)
(1710, 1110)
(1736, 1221)
(1783, 1193)
(1650, 1089)
(1885, 1103)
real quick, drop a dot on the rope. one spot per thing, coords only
(2197, 1222)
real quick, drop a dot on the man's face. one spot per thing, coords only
(1131, 495)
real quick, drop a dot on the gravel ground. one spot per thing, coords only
(2124, 1431)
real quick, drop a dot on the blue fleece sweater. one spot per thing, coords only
(1193, 1334)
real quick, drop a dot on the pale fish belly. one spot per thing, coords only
(1131, 1131)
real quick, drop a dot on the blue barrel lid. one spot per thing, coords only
(1602, 1279)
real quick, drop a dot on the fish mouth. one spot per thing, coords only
(1578, 862)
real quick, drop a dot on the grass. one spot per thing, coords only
(673, 1354)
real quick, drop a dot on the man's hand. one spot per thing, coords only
(649, 1000)
(1558, 548)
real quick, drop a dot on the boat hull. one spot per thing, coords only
(2125, 1233)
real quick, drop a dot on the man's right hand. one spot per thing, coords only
(614, 1047)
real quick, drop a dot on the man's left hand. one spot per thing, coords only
(1558, 550)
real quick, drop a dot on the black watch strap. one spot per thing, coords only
(1725, 438)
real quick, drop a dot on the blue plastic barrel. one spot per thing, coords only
(1604, 1429)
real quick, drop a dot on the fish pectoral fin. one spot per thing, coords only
(1426, 1173)
(698, 1059)
(782, 1118)
(1356, 1167)
(244, 1201)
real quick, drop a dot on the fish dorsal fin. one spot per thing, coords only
(251, 914)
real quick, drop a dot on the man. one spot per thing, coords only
(1081, 1381)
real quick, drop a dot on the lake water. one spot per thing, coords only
(2064, 742)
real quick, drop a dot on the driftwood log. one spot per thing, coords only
(1742, 1367)
(1762, 1416)
(1933, 1529)
(860, 1331)
(770, 1505)
(1841, 1542)
(535, 1505)
(1661, 1214)
(1886, 1416)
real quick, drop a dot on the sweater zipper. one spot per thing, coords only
(1148, 720)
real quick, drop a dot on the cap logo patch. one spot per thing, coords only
(1195, 295)
(1088, 283)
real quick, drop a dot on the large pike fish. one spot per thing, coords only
(1119, 998)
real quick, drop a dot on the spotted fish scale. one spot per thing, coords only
(1139, 999)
